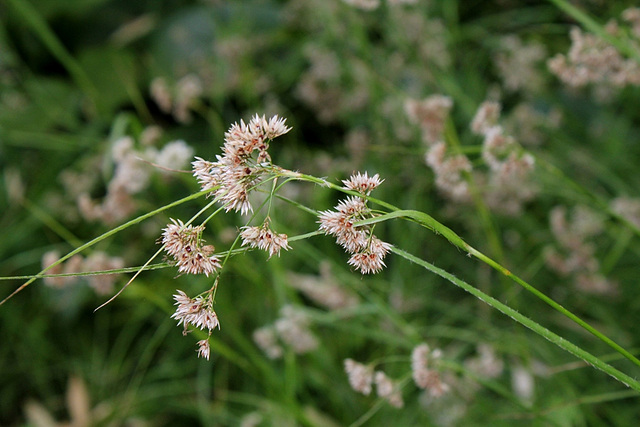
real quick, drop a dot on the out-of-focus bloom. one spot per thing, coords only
(593, 60)
(430, 114)
(386, 389)
(363, 4)
(267, 339)
(360, 376)
(425, 376)
(486, 117)
(450, 172)
(324, 289)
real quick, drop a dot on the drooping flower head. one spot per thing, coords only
(195, 311)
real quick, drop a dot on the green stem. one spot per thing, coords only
(525, 321)
(104, 236)
(430, 223)
(34, 20)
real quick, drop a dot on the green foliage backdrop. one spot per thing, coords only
(85, 83)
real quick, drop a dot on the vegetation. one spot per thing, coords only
(358, 212)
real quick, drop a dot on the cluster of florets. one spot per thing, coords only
(199, 313)
(575, 254)
(185, 244)
(425, 377)
(243, 164)
(367, 250)
(362, 377)
(264, 238)
(290, 330)
(591, 59)
(239, 170)
(423, 370)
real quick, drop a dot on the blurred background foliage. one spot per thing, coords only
(78, 75)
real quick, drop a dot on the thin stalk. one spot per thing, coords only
(104, 236)
(430, 223)
(525, 321)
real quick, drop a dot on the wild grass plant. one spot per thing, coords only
(356, 212)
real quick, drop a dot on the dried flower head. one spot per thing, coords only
(339, 223)
(235, 174)
(362, 183)
(204, 350)
(370, 258)
(195, 311)
(367, 250)
(264, 238)
(185, 245)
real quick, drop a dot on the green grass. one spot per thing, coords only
(75, 79)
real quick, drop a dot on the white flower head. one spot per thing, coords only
(264, 238)
(195, 311)
(362, 183)
(204, 350)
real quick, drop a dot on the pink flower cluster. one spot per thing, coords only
(184, 244)
(264, 238)
(368, 252)
(199, 313)
(238, 171)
